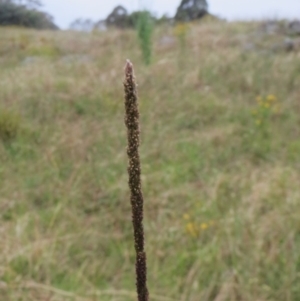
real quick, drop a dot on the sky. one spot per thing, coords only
(66, 11)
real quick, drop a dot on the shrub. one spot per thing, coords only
(145, 29)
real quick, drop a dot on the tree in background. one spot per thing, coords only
(79, 24)
(24, 13)
(189, 10)
(29, 3)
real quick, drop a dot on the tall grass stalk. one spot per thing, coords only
(134, 172)
(145, 29)
(181, 32)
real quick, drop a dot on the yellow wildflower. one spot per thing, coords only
(181, 29)
(271, 98)
(258, 122)
(267, 105)
(192, 229)
(203, 226)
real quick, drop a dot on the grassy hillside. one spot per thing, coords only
(220, 159)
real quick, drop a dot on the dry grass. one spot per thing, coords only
(65, 226)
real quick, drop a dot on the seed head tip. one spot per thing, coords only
(128, 67)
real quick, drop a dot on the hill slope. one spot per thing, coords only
(220, 158)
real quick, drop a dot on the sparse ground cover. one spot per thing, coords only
(220, 158)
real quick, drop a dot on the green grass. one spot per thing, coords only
(66, 230)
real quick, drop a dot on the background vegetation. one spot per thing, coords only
(145, 29)
(220, 160)
(14, 13)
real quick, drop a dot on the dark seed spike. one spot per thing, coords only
(134, 173)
